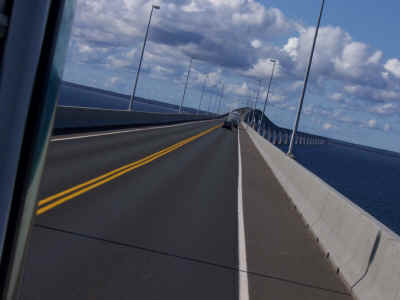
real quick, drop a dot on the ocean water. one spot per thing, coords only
(368, 177)
(75, 95)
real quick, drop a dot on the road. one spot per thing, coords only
(158, 230)
(155, 213)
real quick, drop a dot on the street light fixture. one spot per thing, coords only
(141, 58)
(296, 123)
(267, 97)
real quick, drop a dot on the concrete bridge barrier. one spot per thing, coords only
(69, 118)
(365, 252)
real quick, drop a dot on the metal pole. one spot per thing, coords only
(186, 84)
(249, 105)
(255, 104)
(222, 97)
(296, 123)
(267, 97)
(209, 104)
(215, 104)
(141, 59)
(202, 93)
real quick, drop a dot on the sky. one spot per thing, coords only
(354, 88)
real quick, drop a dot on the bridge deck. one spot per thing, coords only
(284, 261)
(169, 229)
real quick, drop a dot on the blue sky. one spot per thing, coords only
(354, 91)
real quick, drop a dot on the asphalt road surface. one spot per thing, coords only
(153, 214)
(166, 230)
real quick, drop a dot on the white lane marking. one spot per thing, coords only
(243, 276)
(123, 131)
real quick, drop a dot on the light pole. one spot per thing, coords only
(214, 105)
(186, 84)
(202, 93)
(249, 105)
(255, 105)
(141, 58)
(214, 101)
(222, 97)
(209, 103)
(296, 123)
(269, 87)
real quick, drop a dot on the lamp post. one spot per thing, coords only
(186, 84)
(141, 58)
(222, 97)
(209, 104)
(255, 104)
(296, 123)
(202, 93)
(214, 105)
(267, 97)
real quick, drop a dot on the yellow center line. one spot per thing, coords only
(100, 180)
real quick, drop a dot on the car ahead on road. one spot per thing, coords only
(232, 120)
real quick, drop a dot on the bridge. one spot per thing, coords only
(184, 211)
(192, 210)
(279, 135)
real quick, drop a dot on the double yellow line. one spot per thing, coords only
(62, 197)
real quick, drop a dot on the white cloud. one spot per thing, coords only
(84, 48)
(385, 109)
(387, 127)
(113, 80)
(352, 60)
(371, 93)
(256, 44)
(115, 62)
(262, 69)
(242, 90)
(372, 123)
(375, 58)
(291, 47)
(192, 7)
(336, 96)
(327, 126)
(393, 66)
(352, 89)
(276, 98)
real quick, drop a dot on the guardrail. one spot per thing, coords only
(364, 251)
(76, 118)
(278, 135)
